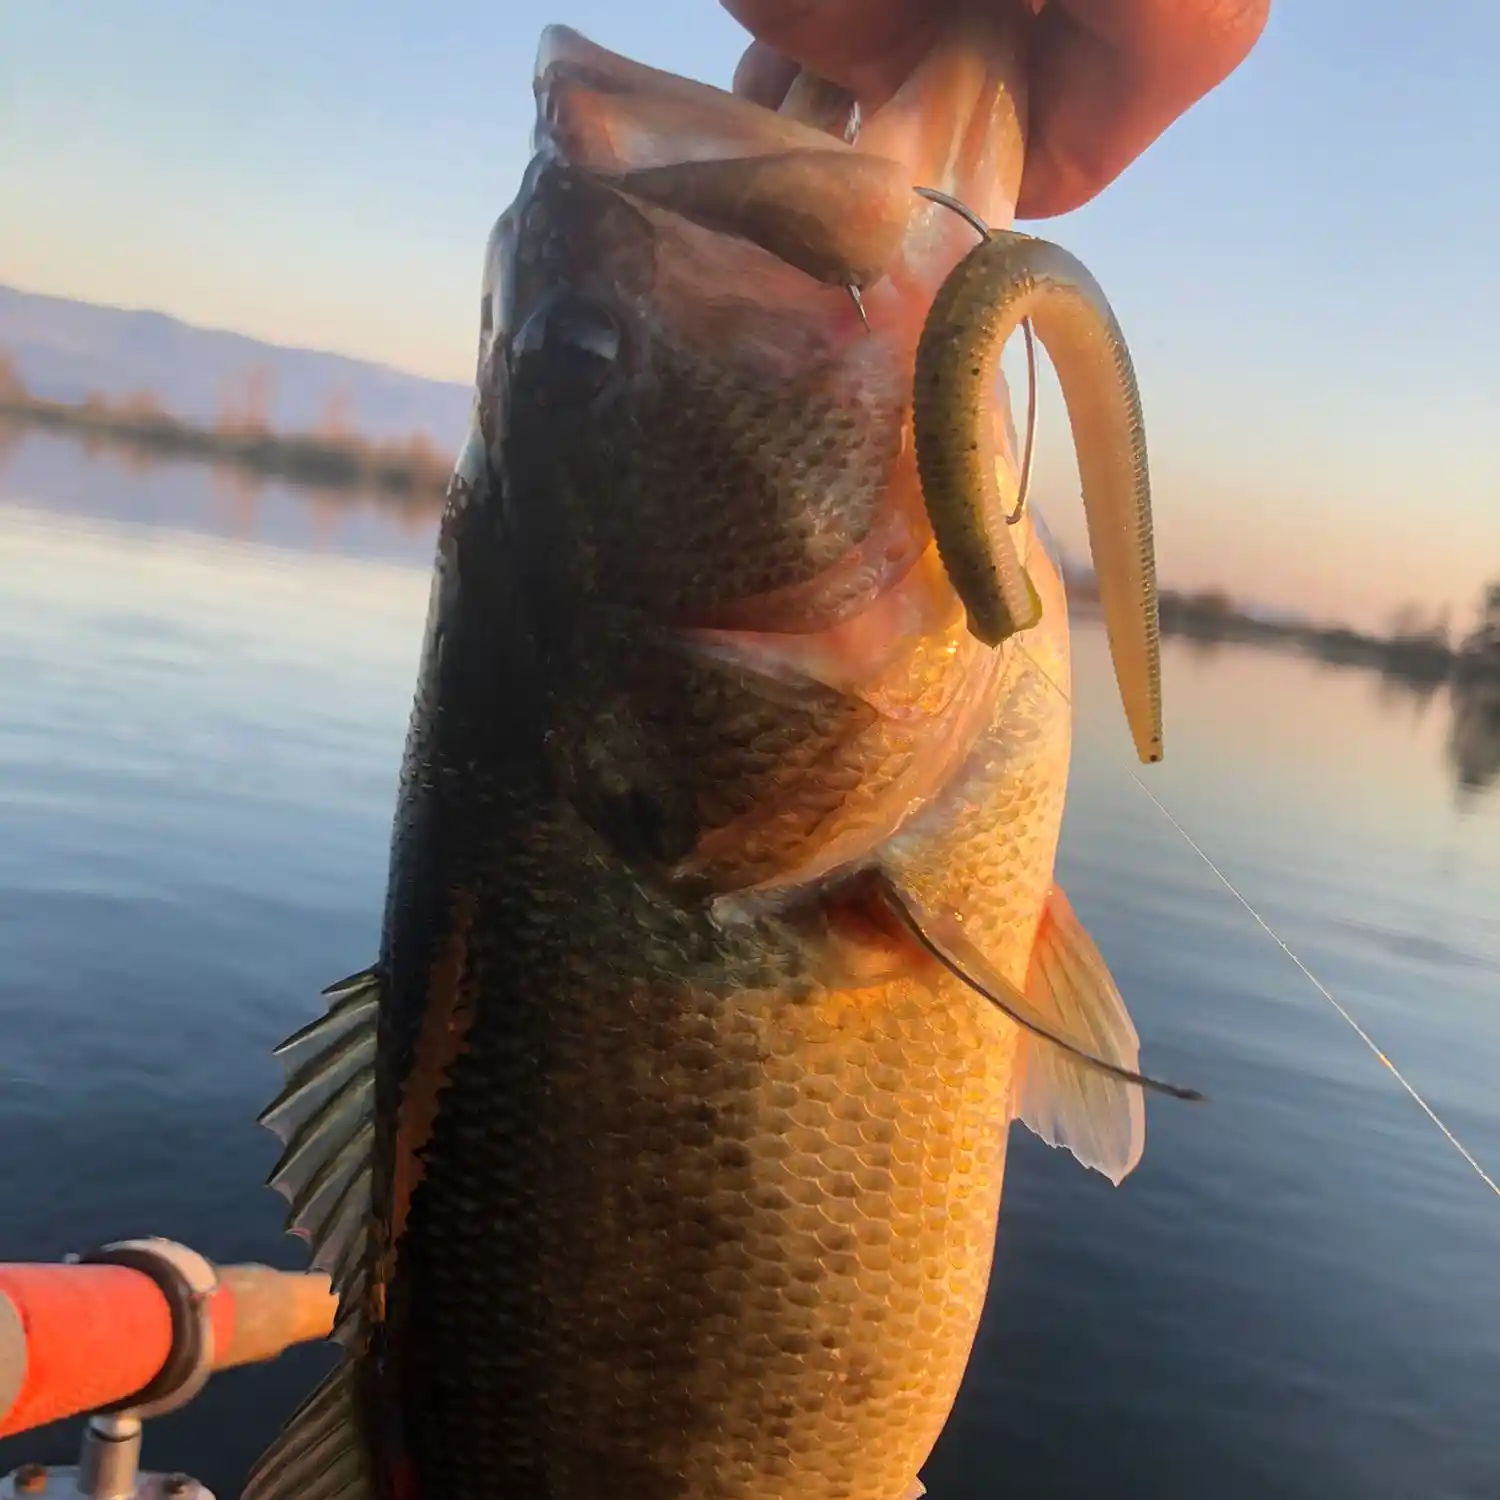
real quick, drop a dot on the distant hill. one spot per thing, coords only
(64, 350)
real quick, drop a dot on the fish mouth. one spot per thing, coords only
(956, 125)
(610, 114)
(726, 163)
(846, 213)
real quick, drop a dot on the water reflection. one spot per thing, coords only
(1474, 737)
(1412, 697)
(68, 476)
(1406, 686)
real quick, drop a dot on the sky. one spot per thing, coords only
(1304, 265)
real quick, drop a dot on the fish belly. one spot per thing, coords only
(689, 1224)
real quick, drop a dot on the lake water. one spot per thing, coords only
(203, 692)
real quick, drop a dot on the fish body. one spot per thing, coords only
(660, 1153)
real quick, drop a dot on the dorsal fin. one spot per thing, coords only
(317, 1455)
(324, 1118)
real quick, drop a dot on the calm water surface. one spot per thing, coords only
(203, 692)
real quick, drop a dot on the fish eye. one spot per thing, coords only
(566, 349)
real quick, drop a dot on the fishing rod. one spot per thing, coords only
(130, 1331)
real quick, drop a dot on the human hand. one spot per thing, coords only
(1106, 76)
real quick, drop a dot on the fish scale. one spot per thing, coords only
(758, 1107)
(808, 468)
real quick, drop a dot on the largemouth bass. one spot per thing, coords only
(660, 1152)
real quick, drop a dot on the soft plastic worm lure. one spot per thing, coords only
(1006, 279)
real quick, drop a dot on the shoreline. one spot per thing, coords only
(414, 470)
(1424, 659)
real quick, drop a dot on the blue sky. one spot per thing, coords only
(1305, 265)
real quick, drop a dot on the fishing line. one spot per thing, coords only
(1192, 843)
(1323, 990)
(1312, 978)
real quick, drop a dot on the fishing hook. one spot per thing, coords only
(851, 135)
(982, 229)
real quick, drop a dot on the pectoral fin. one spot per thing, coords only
(1078, 1084)
(1101, 1120)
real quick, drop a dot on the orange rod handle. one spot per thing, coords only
(75, 1338)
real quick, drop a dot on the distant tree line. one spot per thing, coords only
(331, 455)
(1418, 646)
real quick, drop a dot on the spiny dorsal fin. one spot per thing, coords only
(1079, 1086)
(317, 1455)
(324, 1118)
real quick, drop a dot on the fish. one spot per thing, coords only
(659, 1152)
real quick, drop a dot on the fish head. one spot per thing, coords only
(691, 419)
(703, 457)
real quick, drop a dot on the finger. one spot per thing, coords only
(866, 46)
(765, 75)
(1107, 78)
